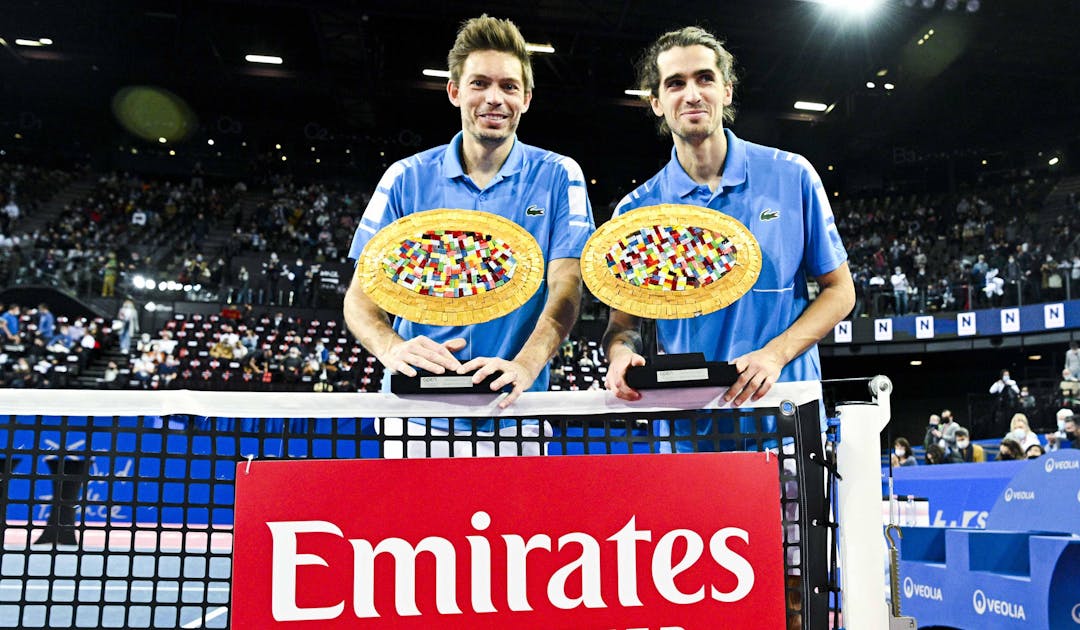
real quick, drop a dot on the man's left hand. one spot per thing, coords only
(513, 373)
(758, 371)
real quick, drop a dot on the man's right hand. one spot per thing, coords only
(404, 356)
(620, 359)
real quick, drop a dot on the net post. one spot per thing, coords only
(862, 541)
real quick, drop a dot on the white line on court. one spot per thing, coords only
(199, 623)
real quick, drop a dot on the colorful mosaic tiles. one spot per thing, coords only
(671, 261)
(450, 263)
(671, 257)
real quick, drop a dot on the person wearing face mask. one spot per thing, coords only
(1066, 434)
(933, 431)
(1009, 450)
(901, 455)
(968, 452)
(948, 431)
(1020, 430)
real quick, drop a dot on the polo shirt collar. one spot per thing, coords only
(451, 162)
(734, 168)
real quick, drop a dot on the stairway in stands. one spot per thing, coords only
(90, 378)
(77, 189)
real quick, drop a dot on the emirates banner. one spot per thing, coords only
(613, 542)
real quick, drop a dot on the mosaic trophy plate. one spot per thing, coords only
(672, 262)
(449, 267)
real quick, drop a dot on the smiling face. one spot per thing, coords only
(491, 96)
(692, 94)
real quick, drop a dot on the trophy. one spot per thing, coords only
(672, 261)
(422, 270)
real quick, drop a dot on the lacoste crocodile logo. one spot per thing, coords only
(534, 211)
(768, 214)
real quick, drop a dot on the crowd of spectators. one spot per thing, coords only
(923, 253)
(40, 350)
(239, 350)
(125, 225)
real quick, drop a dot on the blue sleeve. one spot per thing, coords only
(383, 209)
(824, 250)
(573, 221)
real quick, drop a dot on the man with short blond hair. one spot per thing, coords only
(485, 167)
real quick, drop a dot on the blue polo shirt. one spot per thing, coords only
(780, 198)
(541, 191)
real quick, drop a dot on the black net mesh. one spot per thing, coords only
(126, 521)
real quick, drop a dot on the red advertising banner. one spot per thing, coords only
(613, 542)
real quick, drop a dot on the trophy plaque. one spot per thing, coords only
(672, 262)
(427, 272)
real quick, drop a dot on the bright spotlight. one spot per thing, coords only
(1053, 161)
(810, 106)
(150, 284)
(139, 282)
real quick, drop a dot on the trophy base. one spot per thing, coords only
(429, 383)
(681, 370)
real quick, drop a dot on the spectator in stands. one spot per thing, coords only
(948, 431)
(491, 83)
(168, 370)
(1026, 400)
(899, 283)
(243, 284)
(1034, 451)
(1067, 434)
(250, 340)
(109, 274)
(1006, 390)
(128, 318)
(933, 431)
(968, 452)
(902, 455)
(61, 343)
(222, 348)
(935, 455)
(109, 377)
(1070, 387)
(1072, 359)
(10, 329)
(1020, 430)
(292, 365)
(1009, 450)
(143, 368)
(258, 362)
(46, 326)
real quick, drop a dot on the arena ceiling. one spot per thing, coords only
(1007, 71)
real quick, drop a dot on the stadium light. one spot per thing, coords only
(889, 86)
(150, 284)
(431, 72)
(870, 85)
(547, 49)
(810, 106)
(916, 363)
(637, 92)
(139, 282)
(850, 7)
(1053, 161)
(29, 43)
(270, 59)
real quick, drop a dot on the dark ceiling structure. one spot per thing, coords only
(987, 74)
